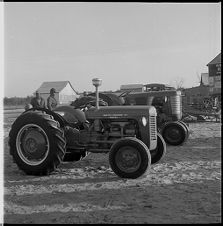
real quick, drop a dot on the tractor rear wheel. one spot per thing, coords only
(37, 143)
(129, 158)
(158, 153)
(174, 133)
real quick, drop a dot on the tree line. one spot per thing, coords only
(13, 101)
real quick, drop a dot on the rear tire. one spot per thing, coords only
(174, 133)
(160, 151)
(36, 143)
(129, 158)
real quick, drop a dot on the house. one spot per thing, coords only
(214, 71)
(209, 88)
(65, 93)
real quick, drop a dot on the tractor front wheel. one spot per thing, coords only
(186, 127)
(158, 153)
(174, 133)
(129, 158)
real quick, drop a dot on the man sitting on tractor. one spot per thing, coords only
(38, 101)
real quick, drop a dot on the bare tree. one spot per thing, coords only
(177, 82)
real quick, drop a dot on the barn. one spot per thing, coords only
(65, 93)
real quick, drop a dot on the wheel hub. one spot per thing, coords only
(32, 144)
(174, 133)
(128, 159)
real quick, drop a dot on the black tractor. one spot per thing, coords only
(168, 104)
(40, 139)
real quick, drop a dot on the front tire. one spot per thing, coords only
(187, 129)
(160, 151)
(129, 158)
(174, 133)
(36, 143)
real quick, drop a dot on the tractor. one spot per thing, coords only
(168, 103)
(41, 139)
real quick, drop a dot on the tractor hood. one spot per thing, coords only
(120, 112)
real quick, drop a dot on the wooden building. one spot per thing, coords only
(214, 71)
(208, 93)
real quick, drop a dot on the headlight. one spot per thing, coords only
(144, 121)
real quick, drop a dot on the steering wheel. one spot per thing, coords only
(124, 94)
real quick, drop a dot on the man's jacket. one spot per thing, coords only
(38, 103)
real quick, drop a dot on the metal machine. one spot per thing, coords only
(40, 139)
(169, 113)
(168, 103)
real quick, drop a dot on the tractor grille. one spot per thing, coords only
(153, 129)
(176, 106)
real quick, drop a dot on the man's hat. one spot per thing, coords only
(52, 90)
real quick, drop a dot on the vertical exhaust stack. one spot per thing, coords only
(97, 82)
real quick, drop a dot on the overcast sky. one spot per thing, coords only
(121, 43)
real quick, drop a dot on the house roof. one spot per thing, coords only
(57, 85)
(216, 60)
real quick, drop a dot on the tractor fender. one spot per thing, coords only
(56, 116)
(70, 114)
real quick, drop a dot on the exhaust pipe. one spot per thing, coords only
(97, 82)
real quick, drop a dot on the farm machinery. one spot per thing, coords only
(167, 101)
(41, 139)
(168, 104)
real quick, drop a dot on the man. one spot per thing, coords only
(51, 100)
(38, 101)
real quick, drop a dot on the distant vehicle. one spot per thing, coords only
(146, 88)
(169, 112)
(157, 87)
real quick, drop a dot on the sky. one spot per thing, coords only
(121, 43)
